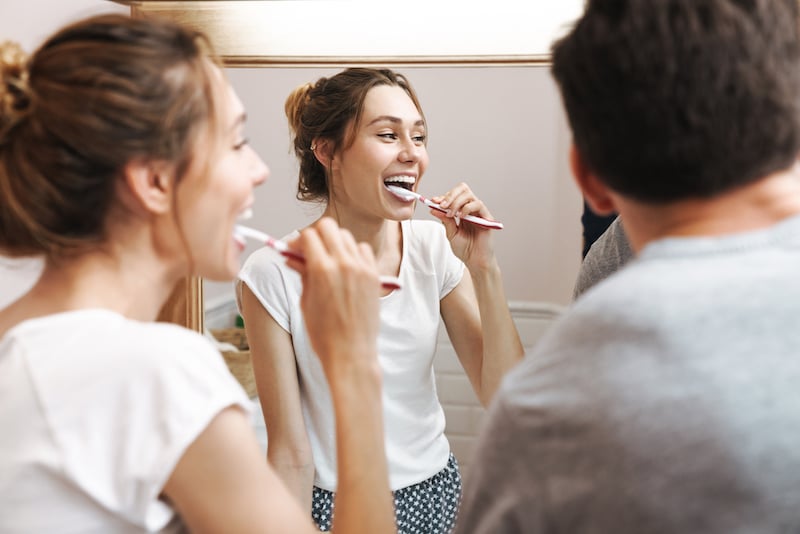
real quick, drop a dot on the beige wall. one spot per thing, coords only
(30, 21)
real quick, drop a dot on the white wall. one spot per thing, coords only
(29, 22)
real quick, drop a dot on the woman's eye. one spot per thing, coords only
(420, 139)
(241, 144)
(388, 135)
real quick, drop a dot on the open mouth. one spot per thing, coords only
(404, 181)
(237, 236)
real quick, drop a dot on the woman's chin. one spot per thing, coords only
(401, 215)
(222, 272)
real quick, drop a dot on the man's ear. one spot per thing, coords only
(594, 191)
(151, 185)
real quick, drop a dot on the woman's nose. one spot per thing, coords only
(260, 172)
(410, 151)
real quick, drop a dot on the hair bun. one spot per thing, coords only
(295, 103)
(15, 93)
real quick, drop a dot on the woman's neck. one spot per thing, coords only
(129, 281)
(380, 234)
(384, 236)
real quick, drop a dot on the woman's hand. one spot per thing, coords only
(341, 292)
(470, 242)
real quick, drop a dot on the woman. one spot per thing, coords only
(123, 162)
(354, 134)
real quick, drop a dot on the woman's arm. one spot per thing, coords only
(341, 308)
(222, 484)
(275, 371)
(476, 312)
(482, 331)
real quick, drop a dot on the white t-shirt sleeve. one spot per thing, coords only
(264, 274)
(170, 386)
(449, 269)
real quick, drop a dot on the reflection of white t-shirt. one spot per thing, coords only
(96, 411)
(17, 276)
(416, 446)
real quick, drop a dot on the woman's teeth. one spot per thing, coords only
(406, 182)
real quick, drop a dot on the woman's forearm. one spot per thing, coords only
(297, 472)
(360, 452)
(502, 347)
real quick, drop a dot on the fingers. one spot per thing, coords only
(341, 290)
(326, 246)
(460, 201)
(450, 225)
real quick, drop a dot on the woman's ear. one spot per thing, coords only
(323, 150)
(151, 185)
(595, 192)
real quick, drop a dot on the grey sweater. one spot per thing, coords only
(665, 400)
(606, 255)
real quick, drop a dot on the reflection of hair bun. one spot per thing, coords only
(295, 103)
(15, 97)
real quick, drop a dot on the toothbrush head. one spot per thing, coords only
(401, 192)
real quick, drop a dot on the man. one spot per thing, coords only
(666, 399)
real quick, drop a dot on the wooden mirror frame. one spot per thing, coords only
(242, 34)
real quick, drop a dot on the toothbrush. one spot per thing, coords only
(387, 282)
(407, 194)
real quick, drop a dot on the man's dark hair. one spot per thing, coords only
(675, 99)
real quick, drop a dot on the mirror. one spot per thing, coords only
(494, 116)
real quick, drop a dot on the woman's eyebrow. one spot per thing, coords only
(394, 120)
(238, 121)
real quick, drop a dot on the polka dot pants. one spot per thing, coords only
(429, 507)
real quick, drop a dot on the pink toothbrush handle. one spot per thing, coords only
(387, 282)
(474, 219)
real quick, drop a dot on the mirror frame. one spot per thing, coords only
(238, 30)
(252, 33)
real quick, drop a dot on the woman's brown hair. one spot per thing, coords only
(96, 96)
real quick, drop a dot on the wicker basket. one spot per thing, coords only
(239, 360)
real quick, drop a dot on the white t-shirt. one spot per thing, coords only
(95, 411)
(416, 446)
(17, 276)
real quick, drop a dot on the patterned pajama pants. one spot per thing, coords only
(429, 507)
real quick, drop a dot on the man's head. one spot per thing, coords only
(678, 99)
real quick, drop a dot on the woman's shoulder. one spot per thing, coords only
(104, 343)
(266, 259)
(156, 344)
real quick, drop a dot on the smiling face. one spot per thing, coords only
(388, 147)
(219, 190)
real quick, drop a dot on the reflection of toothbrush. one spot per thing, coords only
(407, 194)
(240, 232)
